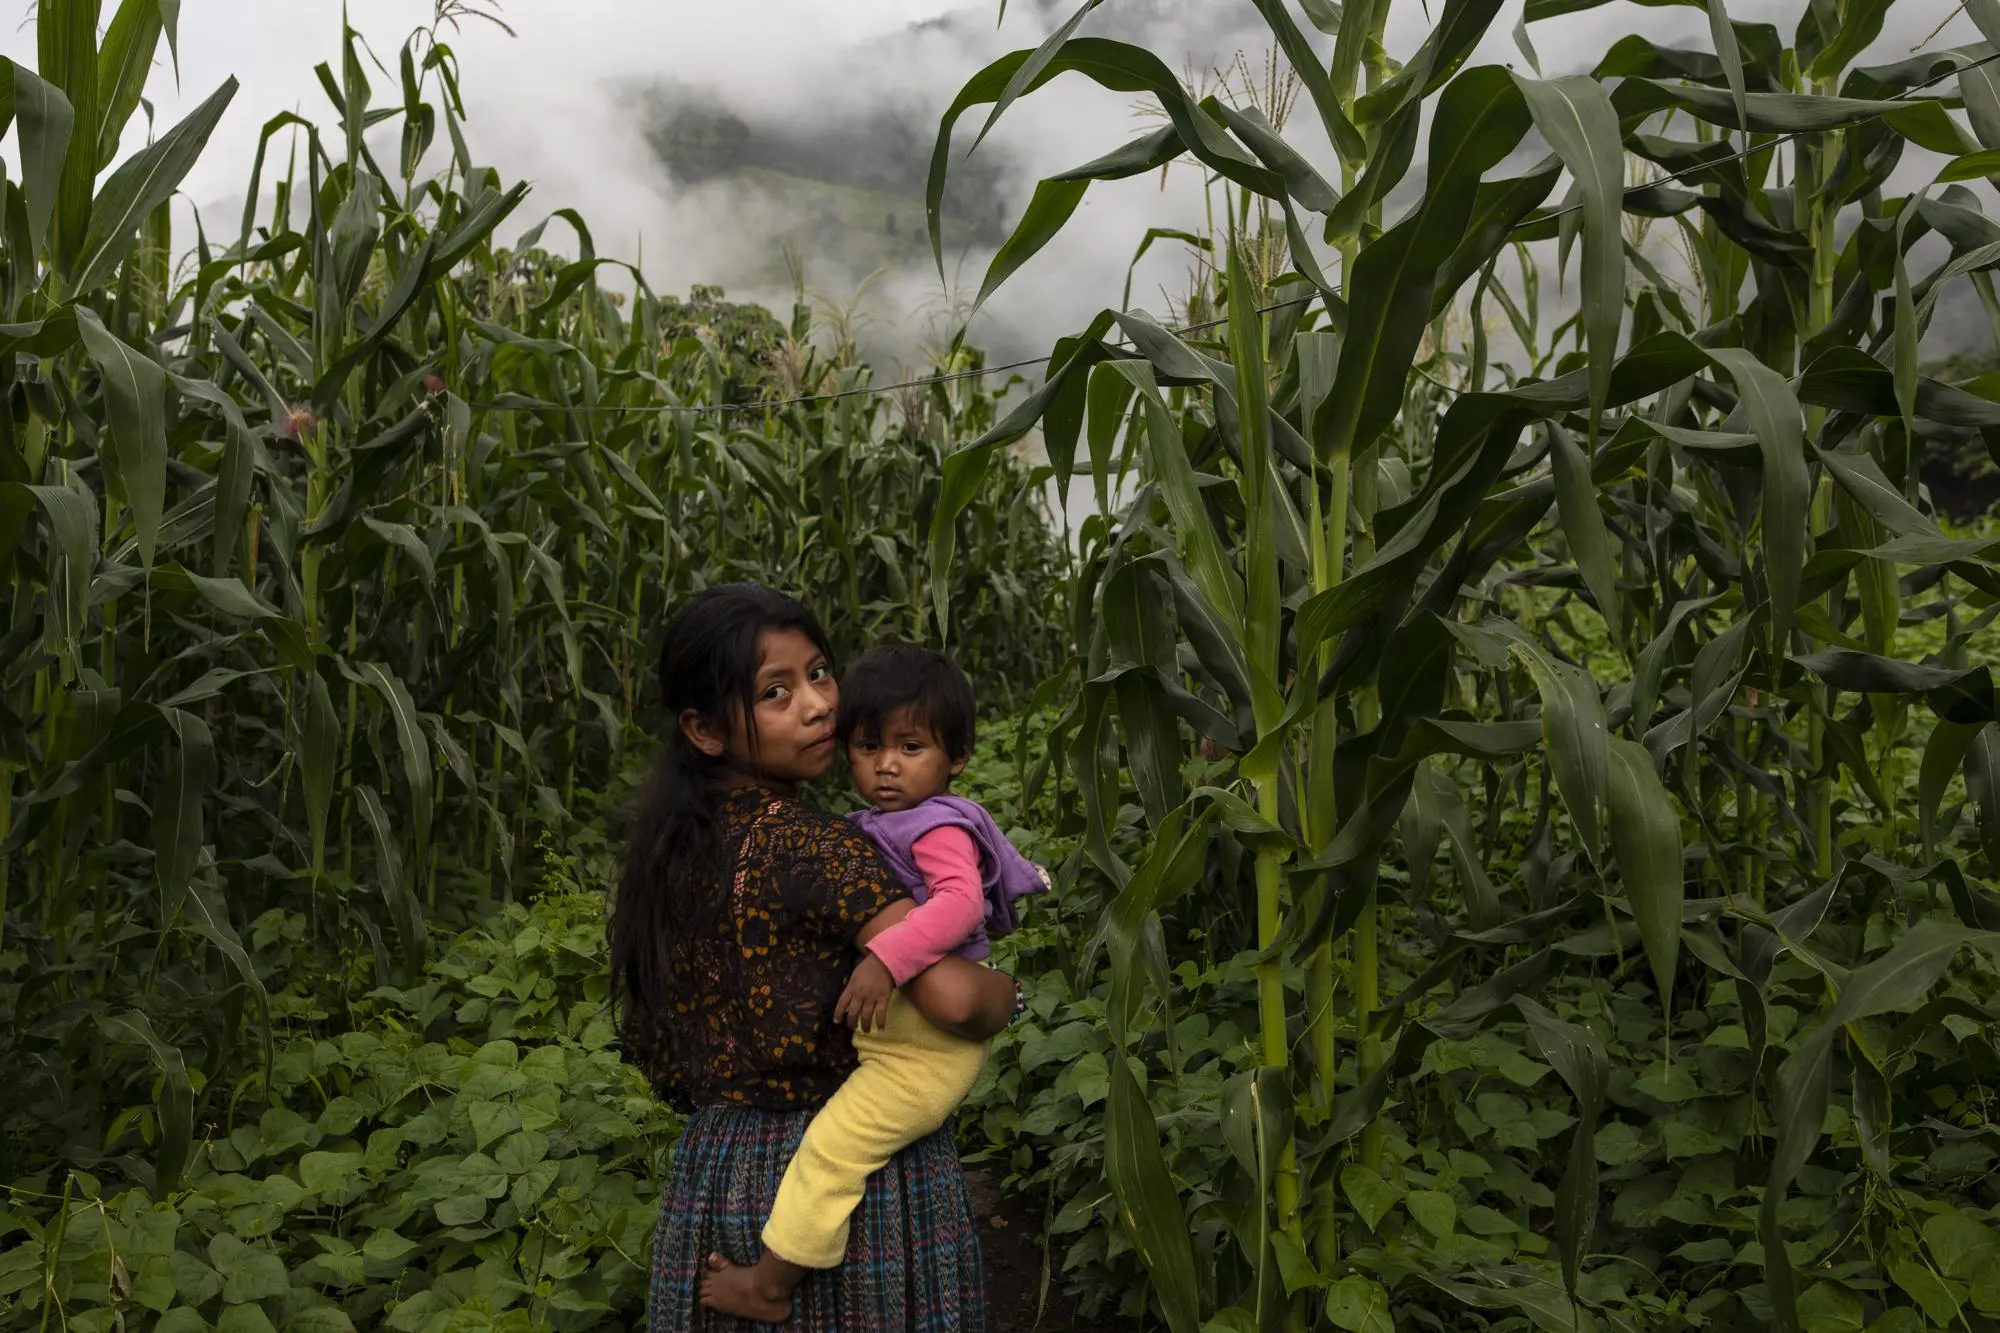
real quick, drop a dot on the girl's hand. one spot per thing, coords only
(864, 1001)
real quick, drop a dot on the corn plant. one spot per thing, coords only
(1351, 576)
(332, 550)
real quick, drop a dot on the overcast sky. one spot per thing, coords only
(561, 103)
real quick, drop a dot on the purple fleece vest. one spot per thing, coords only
(1006, 875)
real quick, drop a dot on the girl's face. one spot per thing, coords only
(903, 766)
(791, 740)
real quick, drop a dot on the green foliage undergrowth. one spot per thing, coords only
(471, 1154)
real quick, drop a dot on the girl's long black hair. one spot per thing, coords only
(670, 891)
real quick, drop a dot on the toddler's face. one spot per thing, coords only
(903, 766)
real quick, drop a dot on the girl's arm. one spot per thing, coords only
(960, 997)
(964, 998)
(953, 909)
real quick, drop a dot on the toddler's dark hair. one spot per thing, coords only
(884, 681)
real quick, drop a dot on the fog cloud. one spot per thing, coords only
(573, 102)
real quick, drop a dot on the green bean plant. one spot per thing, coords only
(1649, 580)
(332, 549)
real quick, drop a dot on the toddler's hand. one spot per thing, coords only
(864, 1003)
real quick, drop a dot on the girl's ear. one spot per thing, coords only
(703, 736)
(958, 765)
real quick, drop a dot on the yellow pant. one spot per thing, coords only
(911, 1078)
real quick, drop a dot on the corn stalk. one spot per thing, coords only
(331, 556)
(1431, 542)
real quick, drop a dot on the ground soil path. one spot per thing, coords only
(1011, 1248)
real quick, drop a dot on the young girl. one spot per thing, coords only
(906, 718)
(738, 919)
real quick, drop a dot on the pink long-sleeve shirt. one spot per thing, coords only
(949, 861)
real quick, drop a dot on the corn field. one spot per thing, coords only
(331, 546)
(1525, 783)
(1656, 584)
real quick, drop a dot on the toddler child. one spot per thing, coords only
(906, 717)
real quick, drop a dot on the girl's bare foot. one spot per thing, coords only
(745, 1293)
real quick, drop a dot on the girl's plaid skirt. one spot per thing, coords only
(912, 1251)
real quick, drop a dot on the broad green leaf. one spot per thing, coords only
(175, 1106)
(46, 337)
(393, 880)
(1359, 1305)
(415, 747)
(1861, 477)
(1147, 1202)
(1583, 524)
(1053, 203)
(44, 120)
(1577, 118)
(1579, 1058)
(124, 63)
(1107, 403)
(329, 1172)
(1828, 1308)
(1920, 1283)
(135, 391)
(1367, 1193)
(1117, 67)
(1965, 694)
(319, 738)
(1943, 758)
(252, 1275)
(178, 833)
(1579, 742)
(1776, 420)
(66, 55)
(1982, 787)
(1457, 33)
(1903, 339)
(1925, 123)
(72, 526)
(1646, 836)
(1480, 119)
(204, 916)
(1768, 113)
(227, 596)
(1434, 1210)
(404, 538)
(1964, 1248)
(1723, 33)
(1201, 544)
(1971, 166)
(1030, 70)
(145, 181)
(1538, 10)
(1441, 795)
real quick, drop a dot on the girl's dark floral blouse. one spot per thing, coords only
(754, 1024)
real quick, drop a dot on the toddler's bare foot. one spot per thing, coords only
(739, 1291)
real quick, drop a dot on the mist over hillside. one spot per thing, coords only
(826, 169)
(847, 190)
(829, 173)
(730, 146)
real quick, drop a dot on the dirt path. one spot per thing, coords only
(1011, 1246)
